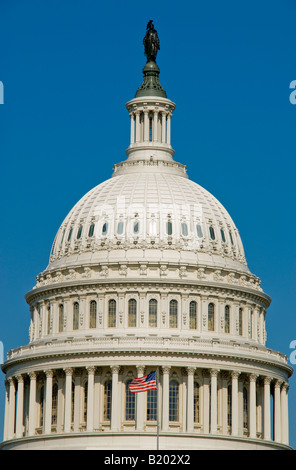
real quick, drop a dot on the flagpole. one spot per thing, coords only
(157, 409)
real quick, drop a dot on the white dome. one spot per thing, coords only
(147, 210)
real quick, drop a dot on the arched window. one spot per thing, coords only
(211, 317)
(152, 313)
(91, 230)
(199, 231)
(129, 403)
(73, 400)
(112, 314)
(173, 314)
(240, 321)
(229, 405)
(192, 315)
(184, 227)
(76, 316)
(212, 233)
(107, 400)
(152, 405)
(79, 232)
(223, 236)
(196, 402)
(227, 319)
(231, 239)
(105, 229)
(174, 401)
(61, 318)
(136, 226)
(120, 228)
(169, 228)
(54, 411)
(93, 314)
(70, 234)
(132, 313)
(245, 408)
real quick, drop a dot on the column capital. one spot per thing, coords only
(10, 380)
(214, 372)
(91, 369)
(20, 378)
(267, 380)
(253, 377)
(68, 371)
(140, 369)
(285, 386)
(32, 375)
(166, 369)
(115, 369)
(190, 370)
(48, 373)
(278, 383)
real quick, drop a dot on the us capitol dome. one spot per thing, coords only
(146, 272)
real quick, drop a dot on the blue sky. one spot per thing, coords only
(69, 67)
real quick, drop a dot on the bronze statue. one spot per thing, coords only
(151, 42)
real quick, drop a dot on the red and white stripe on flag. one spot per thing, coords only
(142, 384)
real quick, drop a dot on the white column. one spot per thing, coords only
(11, 408)
(77, 385)
(169, 129)
(132, 128)
(214, 374)
(234, 403)
(277, 411)
(165, 398)
(137, 126)
(206, 403)
(146, 126)
(90, 399)
(225, 378)
(190, 399)
(252, 423)
(32, 403)
(20, 406)
(285, 414)
(163, 127)
(115, 399)
(140, 411)
(48, 401)
(155, 126)
(266, 426)
(6, 418)
(68, 399)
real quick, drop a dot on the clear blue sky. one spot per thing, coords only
(69, 67)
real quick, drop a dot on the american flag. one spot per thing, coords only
(142, 384)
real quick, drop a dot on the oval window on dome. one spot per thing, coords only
(223, 235)
(185, 230)
(136, 226)
(230, 236)
(120, 228)
(105, 229)
(79, 232)
(169, 228)
(199, 230)
(91, 230)
(70, 234)
(212, 233)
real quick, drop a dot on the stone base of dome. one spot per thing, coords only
(139, 441)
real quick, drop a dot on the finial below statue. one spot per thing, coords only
(151, 42)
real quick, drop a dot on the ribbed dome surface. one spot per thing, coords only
(149, 210)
